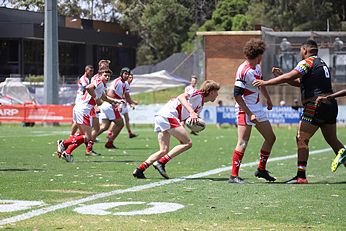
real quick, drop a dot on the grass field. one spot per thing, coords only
(30, 170)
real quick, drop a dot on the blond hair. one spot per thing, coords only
(208, 86)
(104, 63)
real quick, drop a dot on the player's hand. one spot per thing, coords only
(258, 83)
(269, 105)
(277, 71)
(321, 99)
(194, 117)
(253, 118)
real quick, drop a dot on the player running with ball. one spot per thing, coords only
(168, 123)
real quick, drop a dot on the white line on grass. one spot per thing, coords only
(38, 212)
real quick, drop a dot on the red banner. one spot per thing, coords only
(35, 113)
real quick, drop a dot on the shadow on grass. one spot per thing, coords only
(19, 169)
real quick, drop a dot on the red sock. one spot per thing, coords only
(236, 161)
(72, 140)
(109, 133)
(264, 155)
(76, 142)
(165, 159)
(89, 146)
(143, 166)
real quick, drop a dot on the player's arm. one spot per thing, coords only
(183, 100)
(110, 100)
(237, 93)
(290, 78)
(266, 95)
(130, 100)
(277, 72)
(331, 96)
(91, 91)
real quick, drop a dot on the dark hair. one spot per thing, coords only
(89, 67)
(253, 48)
(310, 43)
(311, 46)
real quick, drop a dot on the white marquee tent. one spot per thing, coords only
(155, 81)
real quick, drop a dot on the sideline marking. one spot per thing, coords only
(38, 212)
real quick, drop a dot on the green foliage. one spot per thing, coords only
(290, 15)
(222, 18)
(162, 25)
(37, 5)
(241, 23)
(34, 78)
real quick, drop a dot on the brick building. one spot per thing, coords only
(223, 53)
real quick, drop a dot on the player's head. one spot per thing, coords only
(193, 80)
(104, 63)
(254, 49)
(105, 74)
(89, 70)
(308, 48)
(210, 90)
(130, 78)
(124, 73)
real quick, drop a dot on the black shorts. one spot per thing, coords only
(325, 113)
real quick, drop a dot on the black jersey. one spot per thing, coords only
(316, 79)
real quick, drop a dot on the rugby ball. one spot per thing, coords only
(197, 127)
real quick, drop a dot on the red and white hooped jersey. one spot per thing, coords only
(82, 83)
(87, 102)
(119, 88)
(174, 108)
(244, 78)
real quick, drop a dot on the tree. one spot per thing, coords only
(222, 18)
(161, 25)
(290, 15)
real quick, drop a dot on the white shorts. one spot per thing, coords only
(163, 124)
(82, 116)
(108, 112)
(256, 109)
(124, 108)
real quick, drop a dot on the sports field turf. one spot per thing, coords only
(30, 170)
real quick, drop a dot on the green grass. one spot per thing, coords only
(29, 170)
(158, 97)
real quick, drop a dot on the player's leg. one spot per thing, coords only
(119, 124)
(164, 140)
(74, 128)
(244, 132)
(74, 142)
(266, 130)
(94, 132)
(185, 143)
(116, 129)
(110, 130)
(329, 134)
(305, 131)
(128, 126)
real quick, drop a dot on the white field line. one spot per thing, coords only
(38, 212)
